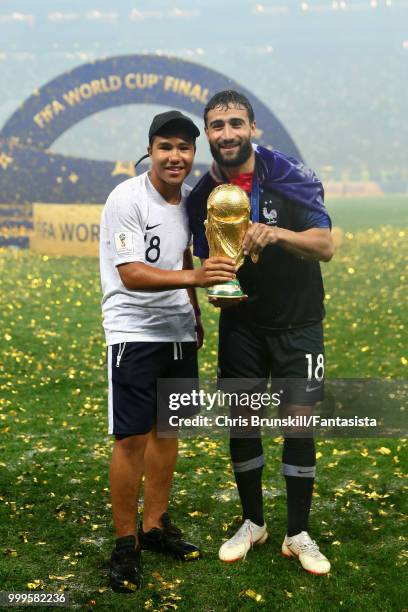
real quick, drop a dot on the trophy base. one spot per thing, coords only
(229, 289)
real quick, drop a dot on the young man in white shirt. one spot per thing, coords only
(152, 326)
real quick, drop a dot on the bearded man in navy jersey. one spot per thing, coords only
(277, 331)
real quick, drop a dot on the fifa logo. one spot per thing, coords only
(122, 238)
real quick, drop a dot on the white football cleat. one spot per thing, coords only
(307, 551)
(247, 536)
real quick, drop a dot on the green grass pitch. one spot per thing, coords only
(55, 522)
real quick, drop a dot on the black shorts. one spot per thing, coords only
(133, 370)
(295, 356)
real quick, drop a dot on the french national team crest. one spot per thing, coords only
(270, 214)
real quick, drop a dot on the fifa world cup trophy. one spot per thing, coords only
(228, 213)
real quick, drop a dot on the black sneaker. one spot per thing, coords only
(168, 540)
(126, 569)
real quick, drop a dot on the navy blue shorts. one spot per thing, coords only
(133, 370)
(293, 358)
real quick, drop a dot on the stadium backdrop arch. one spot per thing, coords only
(30, 172)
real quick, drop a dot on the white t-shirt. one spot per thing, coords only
(139, 225)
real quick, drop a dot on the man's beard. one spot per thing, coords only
(244, 153)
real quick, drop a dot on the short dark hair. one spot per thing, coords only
(227, 98)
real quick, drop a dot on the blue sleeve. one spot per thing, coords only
(311, 218)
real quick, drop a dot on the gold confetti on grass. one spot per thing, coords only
(196, 514)
(375, 495)
(130, 585)
(35, 585)
(66, 577)
(166, 595)
(353, 566)
(383, 450)
(251, 594)
(56, 348)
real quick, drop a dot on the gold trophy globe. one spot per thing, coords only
(228, 214)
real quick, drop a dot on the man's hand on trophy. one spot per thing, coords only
(257, 237)
(215, 270)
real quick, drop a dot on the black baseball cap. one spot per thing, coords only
(173, 117)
